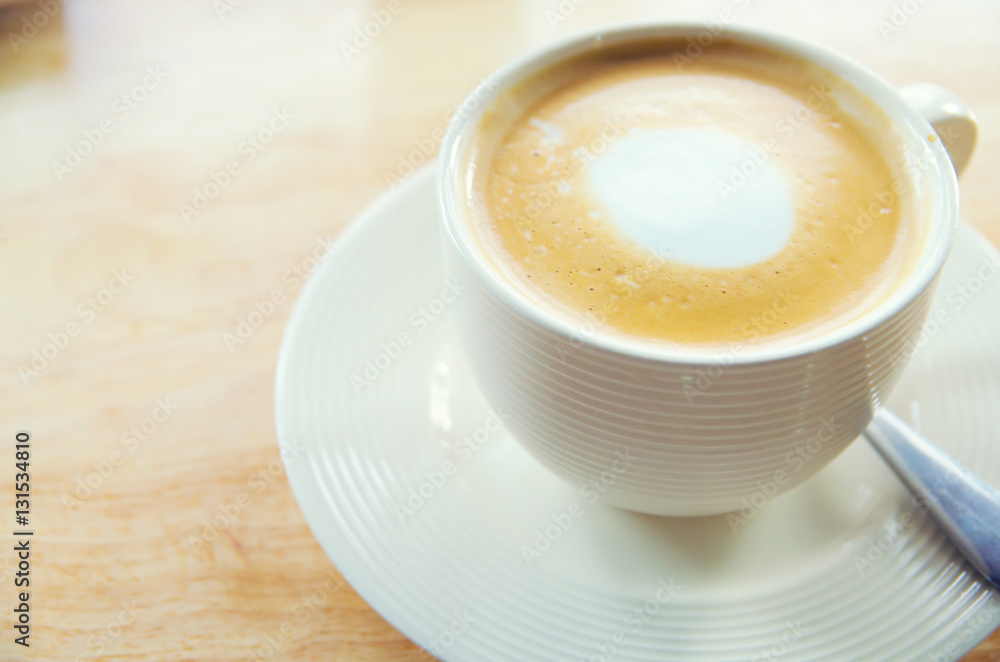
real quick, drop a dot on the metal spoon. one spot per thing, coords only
(965, 506)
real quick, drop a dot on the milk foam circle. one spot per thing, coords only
(695, 196)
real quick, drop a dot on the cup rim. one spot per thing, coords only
(942, 184)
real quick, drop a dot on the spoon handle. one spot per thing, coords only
(965, 506)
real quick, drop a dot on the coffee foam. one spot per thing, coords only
(659, 187)
(705, 205)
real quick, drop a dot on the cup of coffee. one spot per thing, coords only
(696, 261)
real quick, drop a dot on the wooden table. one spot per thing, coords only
(128, 253)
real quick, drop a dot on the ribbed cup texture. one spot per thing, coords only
(671, 438)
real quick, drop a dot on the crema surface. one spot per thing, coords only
(723, 199)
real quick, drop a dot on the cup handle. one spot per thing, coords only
(952, 120)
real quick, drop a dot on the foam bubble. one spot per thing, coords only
(695, 196)
(553, 132)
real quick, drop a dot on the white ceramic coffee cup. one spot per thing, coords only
(676, 432)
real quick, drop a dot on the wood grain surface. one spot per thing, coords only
(147, 420)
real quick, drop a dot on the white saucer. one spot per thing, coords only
(843, 567)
